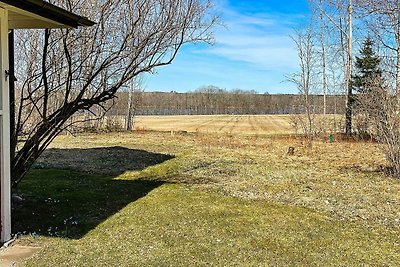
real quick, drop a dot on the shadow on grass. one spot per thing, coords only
(101, 160)
(67, 203)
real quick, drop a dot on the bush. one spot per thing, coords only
(382, 109)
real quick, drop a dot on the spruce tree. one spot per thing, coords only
(367, 68)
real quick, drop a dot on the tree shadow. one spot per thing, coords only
(100, 160)
(67, 203)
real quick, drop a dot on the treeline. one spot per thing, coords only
(212, 102)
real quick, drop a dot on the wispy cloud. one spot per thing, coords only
(261, 39)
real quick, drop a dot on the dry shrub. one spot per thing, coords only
(305, 124)
(316, 126)
(114, 124)
(362, 125)
(380, 112)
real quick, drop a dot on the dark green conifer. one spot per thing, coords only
(367, 68)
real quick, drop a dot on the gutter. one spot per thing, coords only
(50, 11)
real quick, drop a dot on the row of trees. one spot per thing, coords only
(212, 100)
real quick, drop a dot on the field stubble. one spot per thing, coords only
(222, 124)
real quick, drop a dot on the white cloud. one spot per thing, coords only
(260, 39)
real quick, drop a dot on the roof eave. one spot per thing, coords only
(50, 11)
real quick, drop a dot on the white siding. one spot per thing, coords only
(4, 130)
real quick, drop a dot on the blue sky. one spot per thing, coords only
(253, 52)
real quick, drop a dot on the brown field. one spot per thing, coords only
(230, 124)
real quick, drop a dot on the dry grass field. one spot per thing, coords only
(229, 124)
(232, 124)
(150, 198)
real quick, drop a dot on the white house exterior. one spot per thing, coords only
(20, 14)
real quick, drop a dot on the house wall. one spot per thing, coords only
(5, 191)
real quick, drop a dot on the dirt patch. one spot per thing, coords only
(11, 256)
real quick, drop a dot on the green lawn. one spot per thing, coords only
(204, 200)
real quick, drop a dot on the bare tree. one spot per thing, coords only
(80, 70)
(340, 15)
(304, 80)
(349, 86)
(135, 91)
(323, 55)
(319, 19)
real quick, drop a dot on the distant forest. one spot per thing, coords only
(236, 102)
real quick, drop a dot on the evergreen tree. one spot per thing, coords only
(367, 68)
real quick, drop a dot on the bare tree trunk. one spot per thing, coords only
(130, 112)
(134, 100)
(349, 101)
(324, 79)
(309, 112)
(397, 89)
(397, 36)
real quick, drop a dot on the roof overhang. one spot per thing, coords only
(32, 14)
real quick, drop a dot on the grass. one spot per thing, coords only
(70, 204)
(178, 226)
(205, 199)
